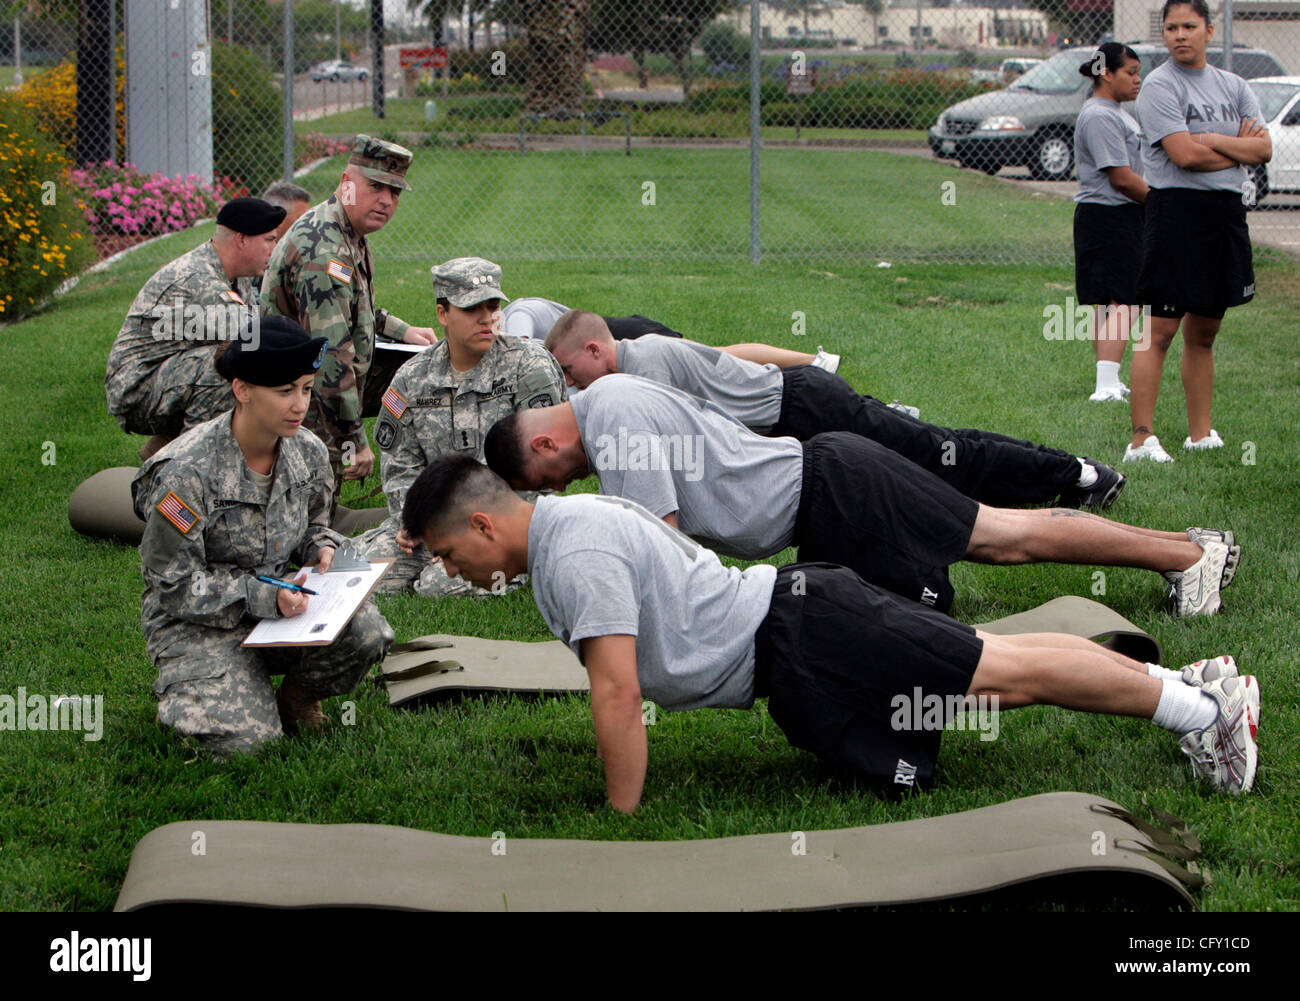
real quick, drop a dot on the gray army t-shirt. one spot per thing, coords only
(1105, 135)
(531, 317)
(1176, 99)
(603, 566)
(751, 393)
(733, 490)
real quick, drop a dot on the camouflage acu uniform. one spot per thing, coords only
(431, 409)
(210, 531)
(322, 275)
(160, 378)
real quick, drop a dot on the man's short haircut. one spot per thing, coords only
(449, 489)
(576, 323)
(503, 448)
(285, 194)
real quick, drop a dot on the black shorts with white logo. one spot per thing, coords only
(848, 670)
(629, 327)
(1107, 253)
(1196, 256)
(866, 508)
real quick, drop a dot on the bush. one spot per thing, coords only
(723, 44)
(966, 57)
(488, 107)
(481, 62)
(50, 97)
(43, 239)
(119, 199)
(247, 118)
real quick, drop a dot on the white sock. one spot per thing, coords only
(1183, 708)
(1107, 375)
(1088, 477)
(1164, 674)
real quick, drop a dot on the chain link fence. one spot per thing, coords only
(876, 130)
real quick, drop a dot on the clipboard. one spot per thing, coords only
(341, 594)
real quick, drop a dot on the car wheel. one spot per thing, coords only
(1258, 174)
(1053, 158)
(334, 78)
(363, 76)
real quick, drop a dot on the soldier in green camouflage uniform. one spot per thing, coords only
(213, 524)
(322, 275)
(160, 379)
(445, 399)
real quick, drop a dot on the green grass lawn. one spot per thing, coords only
(815, 204)
(965, 344)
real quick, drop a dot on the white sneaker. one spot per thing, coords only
(1225, 751)
(1211, 440)
(1149, 449)
(1202, 535)
(1204, 672)
(905, 409)
(1116, 394)
(826, 360)
(1195, 591)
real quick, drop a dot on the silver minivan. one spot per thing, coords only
(1031, 122)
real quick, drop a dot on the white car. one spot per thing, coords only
(337, 69)
(1279, 106)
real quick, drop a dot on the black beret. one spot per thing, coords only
(272, 351)
(250, 216)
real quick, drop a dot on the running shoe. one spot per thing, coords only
(1225, 752)
(1200, 535)
(1211, 440)
(1103, 491)
(1195, 591)
(826, 360)
(1149, 449)
(1111, 394)
(903, 408)
(1203, 672)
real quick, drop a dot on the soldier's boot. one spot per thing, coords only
(154, 444)
(299, 709)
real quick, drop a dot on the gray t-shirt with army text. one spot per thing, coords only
(1176, 99)
(751, 393)
(602, 566)
(1105, 135)
(733, 490)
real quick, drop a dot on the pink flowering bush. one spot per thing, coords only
(314, 146)
(119, 199)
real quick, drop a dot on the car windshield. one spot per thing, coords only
(1273, 97)
(1059, 75)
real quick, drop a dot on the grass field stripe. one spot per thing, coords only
(177, 512)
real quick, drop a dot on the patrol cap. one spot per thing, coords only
(250, 216)
(381, 160)
(283, 353)
(467, 281)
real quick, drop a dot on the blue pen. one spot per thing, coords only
(285, 584)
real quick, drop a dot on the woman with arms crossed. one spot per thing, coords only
(1199, 127)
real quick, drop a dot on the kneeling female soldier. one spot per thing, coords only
(242, 495)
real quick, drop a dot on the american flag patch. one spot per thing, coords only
(233, 296)
(394, 402)
(177, 512)
(339, 270)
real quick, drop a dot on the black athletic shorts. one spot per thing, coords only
(1107, 253)
(898, 526)
(840, 662)
(1196, 254)
(626, 327)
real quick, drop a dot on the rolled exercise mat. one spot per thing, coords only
(101, 506)
(253, 863)
(435, 667)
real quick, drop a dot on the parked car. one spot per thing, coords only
(1009, 71)
(337, 69)
(1031, 123)
(1279, 108)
